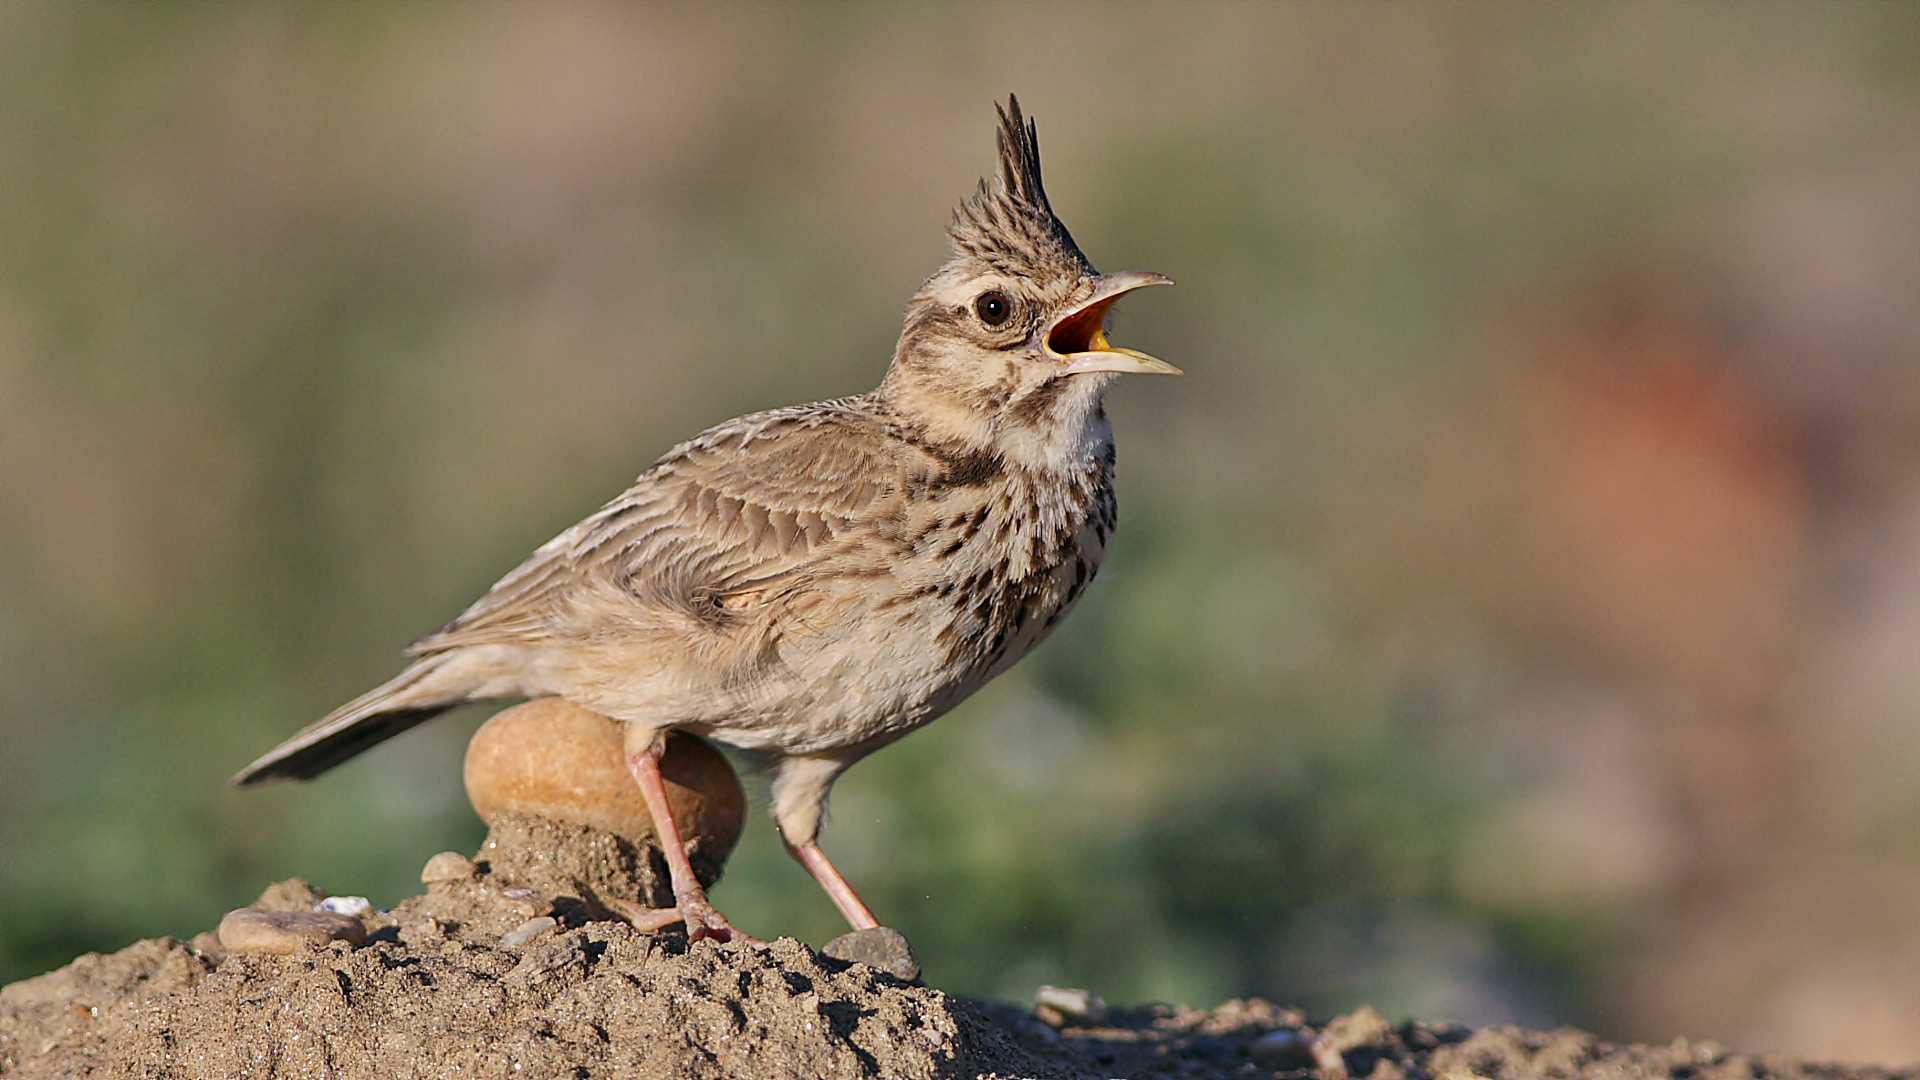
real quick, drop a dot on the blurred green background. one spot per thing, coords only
(1515, 613)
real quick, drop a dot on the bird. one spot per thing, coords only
(810, 584)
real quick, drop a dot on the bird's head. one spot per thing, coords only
(1009, 337)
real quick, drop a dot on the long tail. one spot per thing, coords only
(426, 689)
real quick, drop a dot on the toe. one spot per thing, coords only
(645, 918)
(726, 933)
(709, 924)
(704, 922)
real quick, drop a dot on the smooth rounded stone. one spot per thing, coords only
(550, 758)
(448, 866)
(878, 947)
(282, 933)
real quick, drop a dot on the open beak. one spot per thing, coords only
(1079, 339)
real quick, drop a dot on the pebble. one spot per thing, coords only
(878, 947)
(282, 933)
(448, 866)
(357, 906)
(1282, 1050)
(1062, 1007)
(527, 931)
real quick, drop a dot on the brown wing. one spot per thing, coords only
(755, 504)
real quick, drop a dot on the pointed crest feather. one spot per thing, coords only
(1019, 140)
(1013, 227)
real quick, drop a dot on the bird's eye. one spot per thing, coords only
(993, 307)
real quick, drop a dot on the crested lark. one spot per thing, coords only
(812, 583)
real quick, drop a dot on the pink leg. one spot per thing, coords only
(810, 856)
(690, 899)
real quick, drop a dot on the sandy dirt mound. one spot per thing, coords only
(510, 967)
(604, 1001)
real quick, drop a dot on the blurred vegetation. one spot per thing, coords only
(1508, 613)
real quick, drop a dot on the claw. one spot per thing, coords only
(704, 922)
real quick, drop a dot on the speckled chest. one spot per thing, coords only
(998, 563)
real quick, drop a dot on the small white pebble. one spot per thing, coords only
(527, 931)
(357, 906)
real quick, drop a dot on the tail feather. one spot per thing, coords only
(412, 697)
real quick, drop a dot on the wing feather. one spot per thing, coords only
(757, 504)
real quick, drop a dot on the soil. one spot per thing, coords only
(434, 991)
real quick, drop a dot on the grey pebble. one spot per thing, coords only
(1280, 1050)
(878, 947)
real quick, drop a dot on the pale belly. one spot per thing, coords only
(867, 676)
(869, 685)
(898, 667)
(858, 662)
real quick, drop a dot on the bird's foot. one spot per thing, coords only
(700, 917)
(704, 922)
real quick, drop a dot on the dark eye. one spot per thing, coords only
(993, 307)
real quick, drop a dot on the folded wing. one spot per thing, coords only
(752, 508)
